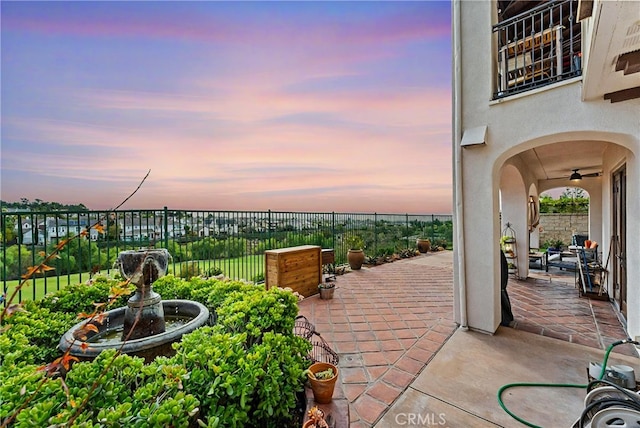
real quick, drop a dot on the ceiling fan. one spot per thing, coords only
(576, 176)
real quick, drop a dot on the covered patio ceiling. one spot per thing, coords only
(558, 160)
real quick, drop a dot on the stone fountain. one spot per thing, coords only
(148, 325)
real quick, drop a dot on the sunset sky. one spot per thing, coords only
(297, 106)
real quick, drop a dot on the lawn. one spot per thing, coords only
(246, 268)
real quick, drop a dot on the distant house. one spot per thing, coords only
(56, 229)
(25, 232)
(135, 229)
(218, 226)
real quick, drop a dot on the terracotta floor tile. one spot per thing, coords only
(393, 355)
(436, 337)
(419, 354)
(428, 344)
(343, 337)
(353, 375)
(391, 317)
(360, 326)
(417, 323)
(353, 391)
(384, 392)
(396, 325)
(356, 319)
(345, 347)
(410, 316)
(419, 332)
(374, 359)
(409, 365)
(364, 335)
(369, 346)
(391, 345)
(408, 343)
(368, 408)
(339, 328)
(384, 334)
(404, 333)
(398, 378)
(379, 326)
(376, 372)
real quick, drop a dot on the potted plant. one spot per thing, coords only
(355, 255)
(322, 378)
(326, 290)
(423, 243)
(555, 246)
(316, 419)
(507, 243)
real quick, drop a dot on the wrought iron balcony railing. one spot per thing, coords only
(538, 47)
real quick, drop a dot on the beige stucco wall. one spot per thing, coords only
(554, 114)
(562, 226)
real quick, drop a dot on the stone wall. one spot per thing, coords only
(562, 226)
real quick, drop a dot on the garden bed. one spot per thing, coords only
(247, 370)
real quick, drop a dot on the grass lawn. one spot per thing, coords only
(247, 268)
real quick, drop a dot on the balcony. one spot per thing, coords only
(536, 47)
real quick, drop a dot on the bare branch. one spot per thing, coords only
(134, 192)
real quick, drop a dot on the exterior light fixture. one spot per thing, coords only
(576, 176)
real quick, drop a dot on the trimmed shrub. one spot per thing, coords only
(245, 371)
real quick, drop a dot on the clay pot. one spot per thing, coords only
(355, 259)
(326, 293)
(322, 389)
(424, 245)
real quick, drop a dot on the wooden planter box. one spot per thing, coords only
(299, 268)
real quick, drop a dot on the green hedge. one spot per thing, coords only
(247, 370)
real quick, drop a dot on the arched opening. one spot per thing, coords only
(585, 209)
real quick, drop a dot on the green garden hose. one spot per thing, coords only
(555, 385)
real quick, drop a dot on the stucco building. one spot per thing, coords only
(543, 90)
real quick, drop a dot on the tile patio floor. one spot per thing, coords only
(388, 322)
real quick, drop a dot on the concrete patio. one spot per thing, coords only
(404, 362)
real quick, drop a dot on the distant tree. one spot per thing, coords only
(8, 229)
(38, 205)
(572, 200)
(17, 259)
(573, 193)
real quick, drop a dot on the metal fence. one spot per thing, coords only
(231, 243)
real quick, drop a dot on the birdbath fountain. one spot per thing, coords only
(143, 268)
(148, 325)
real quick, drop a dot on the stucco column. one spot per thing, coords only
(481, 250)
(514, 209)
(593, 186)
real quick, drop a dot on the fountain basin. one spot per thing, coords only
(191, 315)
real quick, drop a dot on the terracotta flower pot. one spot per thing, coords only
(322, 389)
(424, 245)
(355, 259)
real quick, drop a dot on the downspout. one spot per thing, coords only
(457, 166)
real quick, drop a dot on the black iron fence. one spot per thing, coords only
(231, 243)
(538, 47)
